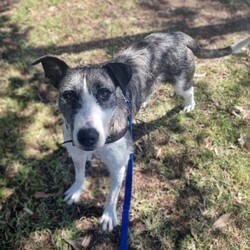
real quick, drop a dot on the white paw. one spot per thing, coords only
(188, 107)
(108, 219)
(73, 194)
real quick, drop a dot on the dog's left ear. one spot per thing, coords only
(120, 73)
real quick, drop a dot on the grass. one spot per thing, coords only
(189, 168)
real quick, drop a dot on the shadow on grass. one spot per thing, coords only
(51, 173)
(207, 32)
(15, 52)
(24, 214)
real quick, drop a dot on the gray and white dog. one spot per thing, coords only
(92, 100)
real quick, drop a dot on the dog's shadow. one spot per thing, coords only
(142, 128)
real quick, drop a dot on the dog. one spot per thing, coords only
(93, 101)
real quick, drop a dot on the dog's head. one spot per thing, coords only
(87, 97)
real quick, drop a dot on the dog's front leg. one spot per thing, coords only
(115, 157)
(79, 157)
(109, 217)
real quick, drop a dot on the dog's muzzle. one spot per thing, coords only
(88, 138)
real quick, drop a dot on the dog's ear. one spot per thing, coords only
(120, 73)
(54, 69)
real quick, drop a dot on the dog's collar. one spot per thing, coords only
(116, 136)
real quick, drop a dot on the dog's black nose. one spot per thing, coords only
(87, 137)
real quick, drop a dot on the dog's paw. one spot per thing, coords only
(188, 107)
(73, 194)
(108, 219)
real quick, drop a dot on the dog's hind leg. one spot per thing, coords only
(189, 102)
(186, 90)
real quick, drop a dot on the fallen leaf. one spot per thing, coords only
(216, 103)
(241, 140)
(138, 146)
(38, 195)
(86, 241)
(159, 154)
(200, 75)
(216, 151)
(237, 201)
(27, 210)
(234, 113)
(221, 222)
(76, 245)
(244, 113)
(208, 144)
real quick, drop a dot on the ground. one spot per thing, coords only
(192, 171)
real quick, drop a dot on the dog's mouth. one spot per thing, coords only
(87, 148)
(111, 138)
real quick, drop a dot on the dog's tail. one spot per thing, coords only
(216, 53)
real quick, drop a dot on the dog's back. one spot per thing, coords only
(159, 57)
(166, 57)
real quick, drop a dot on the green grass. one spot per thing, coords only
(189, 168)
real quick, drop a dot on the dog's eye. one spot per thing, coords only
(103, 94)
(68, 95)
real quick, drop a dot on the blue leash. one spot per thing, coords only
(128, 190)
